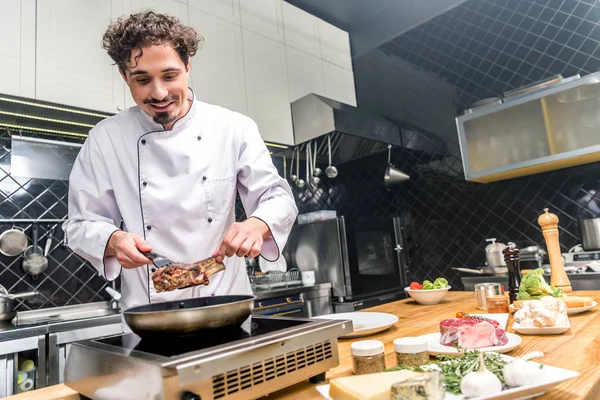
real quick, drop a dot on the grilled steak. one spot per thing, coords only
(180, 275)
(472, 333)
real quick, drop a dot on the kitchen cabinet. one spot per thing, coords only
(305, 74)
(171, 7)
(17, 76)
(263, 17)
(538, 130)
(59, 346)
(227, 10)
(71, 66)
(10, 358)
(335, 45)
(218, 67)
(301, 30)
(339, 84)
(267, 87)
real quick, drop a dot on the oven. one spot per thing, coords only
(363, 259)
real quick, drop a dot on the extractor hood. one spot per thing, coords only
(354, 133)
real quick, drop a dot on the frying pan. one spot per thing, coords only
(485, 270)
(182, 317)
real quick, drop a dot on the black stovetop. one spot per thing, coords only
(173, 346)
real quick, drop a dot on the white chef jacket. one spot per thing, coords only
(177, 190)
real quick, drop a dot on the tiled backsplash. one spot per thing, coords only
(447, 219)
(68, 279)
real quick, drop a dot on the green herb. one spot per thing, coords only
(455, 368)
(407, 367)
(541, 366)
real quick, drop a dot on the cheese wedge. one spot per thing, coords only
(369, 386)
(427, 386)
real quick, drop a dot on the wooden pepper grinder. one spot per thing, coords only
(513, 262)
(558, 276)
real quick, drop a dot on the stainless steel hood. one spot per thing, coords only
(354, 132)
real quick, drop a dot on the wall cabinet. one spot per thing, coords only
(227, 10)
(218, 67)
(17, 76)
(305, 74)
(257, 56)
(339, 84)
(263, 17)
(71, 66)
(267, 87)
(335, 45)
(301, 30)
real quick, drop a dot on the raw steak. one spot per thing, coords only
(180, 275)
(472, 333)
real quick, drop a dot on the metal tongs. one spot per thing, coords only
(158, 260)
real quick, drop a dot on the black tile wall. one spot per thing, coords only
(485, 47)
(68, 279)
(446, 218)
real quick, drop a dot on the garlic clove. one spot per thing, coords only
(481, 382)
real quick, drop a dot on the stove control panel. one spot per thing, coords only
(582, 257)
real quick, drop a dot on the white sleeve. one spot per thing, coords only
(93, 212)
(264, 194)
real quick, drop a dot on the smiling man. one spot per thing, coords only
(162, 176)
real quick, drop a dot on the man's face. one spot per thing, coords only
(158, 81)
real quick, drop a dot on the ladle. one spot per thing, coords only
(299, 181)
(330, 171)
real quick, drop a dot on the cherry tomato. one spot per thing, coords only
(416, 286)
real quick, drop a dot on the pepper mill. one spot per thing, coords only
(513, 262)
(558, 276)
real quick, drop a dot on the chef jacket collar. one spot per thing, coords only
(151, 126)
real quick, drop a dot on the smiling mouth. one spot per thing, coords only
(164, 106)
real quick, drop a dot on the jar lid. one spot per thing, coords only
(411, 345)
(367, 348)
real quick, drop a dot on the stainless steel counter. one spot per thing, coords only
(58, 319)
(262, 294)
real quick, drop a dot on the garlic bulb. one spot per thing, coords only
(481, 382)
(522, 372)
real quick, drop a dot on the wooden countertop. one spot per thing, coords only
(578, 349)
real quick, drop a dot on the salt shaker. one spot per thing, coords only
(513, 262)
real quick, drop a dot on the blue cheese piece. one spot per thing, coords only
(426, 386)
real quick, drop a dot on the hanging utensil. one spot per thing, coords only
(13, 242)
(308, 162)
(316, 170)
(330, 171)
(299, 181)
(284, 167)
(314, 180)
(293, 177)
(34, 263)
(393, 175)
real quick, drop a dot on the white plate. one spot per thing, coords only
(435, 347)
(548, 330)
(278, 266)
(365, 323)
(570, 311)
(552, 377)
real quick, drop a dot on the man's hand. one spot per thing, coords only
(243, 239)
(127, 247)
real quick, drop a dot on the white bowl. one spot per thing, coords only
(427, 297)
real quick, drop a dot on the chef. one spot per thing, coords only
(162, 176)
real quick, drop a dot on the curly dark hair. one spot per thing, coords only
(148, 28)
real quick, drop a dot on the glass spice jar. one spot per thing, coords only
(368, 357)
(411, 351)
(497, 304)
